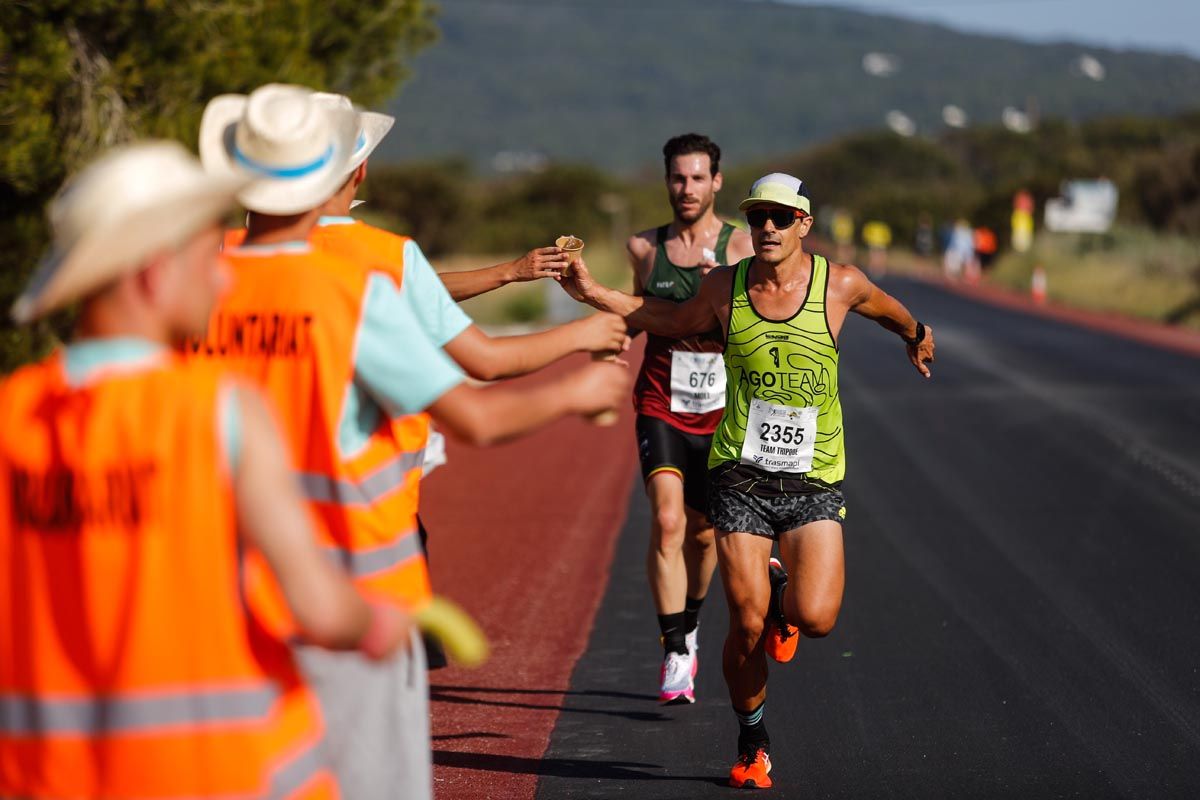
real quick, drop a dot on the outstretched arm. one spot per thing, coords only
(875, 304)
(493, 414)
(652, 314)
(490, 358)
(637, 250)
(543, 262)
(424, 379)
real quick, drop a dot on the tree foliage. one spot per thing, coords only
(532, 210)
(1167, 188)
(79, 76)
(430, 199)
(447, 209)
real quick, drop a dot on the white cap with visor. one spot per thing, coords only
(779, 188)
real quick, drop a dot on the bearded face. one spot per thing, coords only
(691, 186)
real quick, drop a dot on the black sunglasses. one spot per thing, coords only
(780, 217)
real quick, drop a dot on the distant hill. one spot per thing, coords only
(607, 81)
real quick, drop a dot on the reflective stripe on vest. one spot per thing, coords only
(24, 715)
(361, 563)
(374, 487)
(289, 777)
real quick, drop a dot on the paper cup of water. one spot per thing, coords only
(573, 246)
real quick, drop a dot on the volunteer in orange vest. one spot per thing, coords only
(346, 362)
(129, 482)
(432, 296)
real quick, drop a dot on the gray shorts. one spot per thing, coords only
(376, 721)
(738, 504)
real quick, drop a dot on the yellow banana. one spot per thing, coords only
(463, 639)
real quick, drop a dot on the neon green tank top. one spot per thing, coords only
(788, 371)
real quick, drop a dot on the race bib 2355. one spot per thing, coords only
(780, 438)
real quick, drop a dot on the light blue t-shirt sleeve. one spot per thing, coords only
(229, 425)
(435, 308)
(395, 360)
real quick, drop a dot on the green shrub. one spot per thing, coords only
(76, 78)
(428, 201)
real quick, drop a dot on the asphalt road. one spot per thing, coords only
(1022, 611)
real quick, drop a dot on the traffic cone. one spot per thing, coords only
(1037, 286)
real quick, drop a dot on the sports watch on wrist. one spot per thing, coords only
(920, 337)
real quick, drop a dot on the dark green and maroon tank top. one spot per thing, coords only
(668, 384)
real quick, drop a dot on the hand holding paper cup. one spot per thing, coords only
(572, 245)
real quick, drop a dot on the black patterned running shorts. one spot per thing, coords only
(745, 498)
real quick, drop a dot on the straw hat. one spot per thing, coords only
(298, 150)
(131, 203)
(372, 126)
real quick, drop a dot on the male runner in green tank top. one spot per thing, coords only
(777, 457)
(678, 396)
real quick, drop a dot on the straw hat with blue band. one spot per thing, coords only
(372, 127)
(297, 149)
(781, 189)
(131, 203)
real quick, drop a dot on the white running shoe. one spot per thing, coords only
(676, 679)
(693, 644)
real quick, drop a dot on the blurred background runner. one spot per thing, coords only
(678, 396)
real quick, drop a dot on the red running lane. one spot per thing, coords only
(522, 535)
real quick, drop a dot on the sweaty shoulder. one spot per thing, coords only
(848, 284)
(642, 244)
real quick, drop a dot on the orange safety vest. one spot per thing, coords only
(128, 664)
(356, 241)
(383, 251)
(364, 244)
(289, 324)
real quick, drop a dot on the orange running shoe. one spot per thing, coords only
(751, 770)
(782, 638)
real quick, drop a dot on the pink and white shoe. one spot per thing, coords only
(693, 645)
(675, 679)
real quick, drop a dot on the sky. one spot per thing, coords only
(1162, 25)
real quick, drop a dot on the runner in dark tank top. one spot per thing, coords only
(678, 396)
